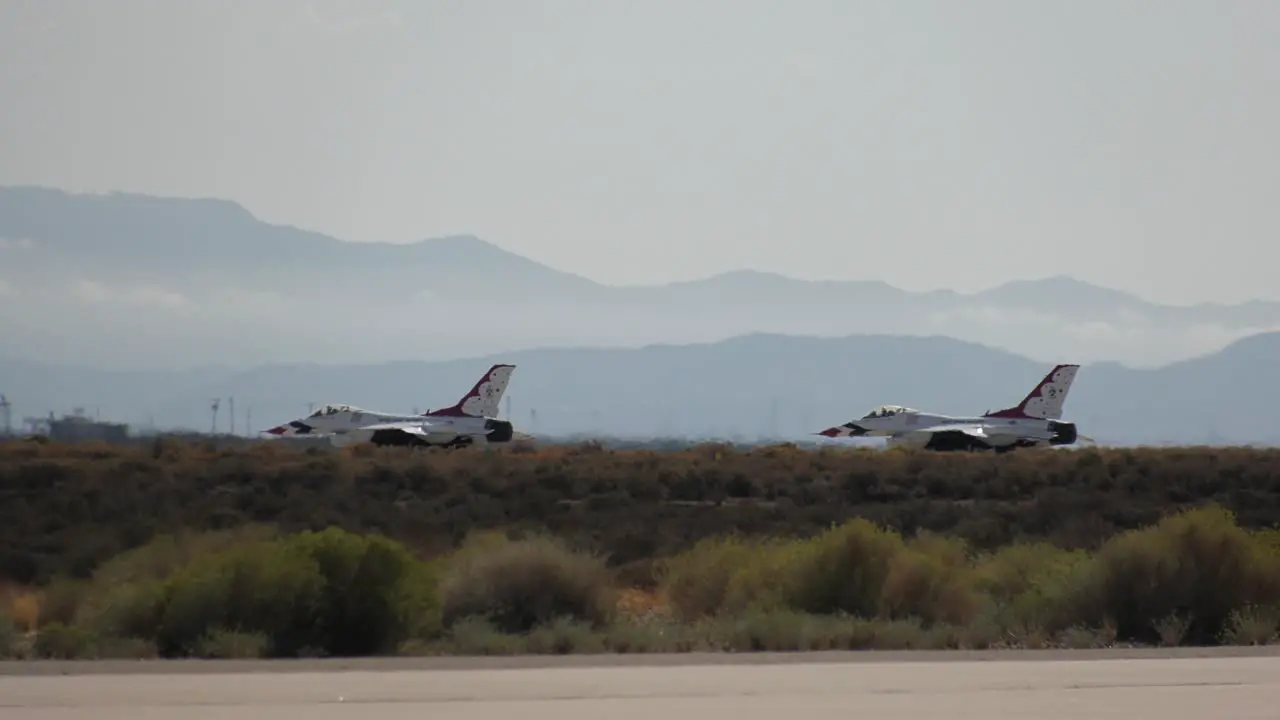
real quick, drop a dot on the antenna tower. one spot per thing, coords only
(214, 405)
(6, 415)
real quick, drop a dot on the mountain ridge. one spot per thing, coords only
(467, 243)
(137, 280)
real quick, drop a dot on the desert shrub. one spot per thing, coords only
(783, 630)
(22, 606)
(125, 648)
(71, 509)
(720, 575)
(1198, 565)
(930, 579)
(264, 586)
(1252, 625)
(477, 636)
(565, 636)
(127, 609)
(375, 592)
(1269, 538)
(520, 584)
(166, 553)
(232, 645)
(61, 601)
(844, 570)
(766, 547)
(8, 636)
(57, 641)
(125, 597)
(1027, 585)
(856, 569)
(310, 593)
(765, 581)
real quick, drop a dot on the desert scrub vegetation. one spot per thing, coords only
(246, 593)
(1195, 577)
(65, 509)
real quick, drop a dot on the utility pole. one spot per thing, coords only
(6, 414)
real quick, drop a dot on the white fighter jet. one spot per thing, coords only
(470, 421)
(1034, 422)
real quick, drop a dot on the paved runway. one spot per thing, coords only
(1240, 688)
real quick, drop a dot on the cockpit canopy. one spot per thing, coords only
(333, 410)
(887, 411)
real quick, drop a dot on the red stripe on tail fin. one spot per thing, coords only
(1046, 400)
(483, 399)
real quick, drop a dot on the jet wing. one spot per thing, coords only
(436, 432)
(985, 432)
(412, 428)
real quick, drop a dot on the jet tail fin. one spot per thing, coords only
(483, 399)
(1046, 400)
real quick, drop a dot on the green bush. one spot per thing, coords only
(79, 505)
(521, 584)
(273, 588)
(930, 579)
(375, 592)
(1198, 566)
(57, 641)
(8, 636)
(720, 575)
(327, 593)
(251, 592)
(231, 645)
(1196, 577)
(1026, 586)
(844, 570)
(855, 569)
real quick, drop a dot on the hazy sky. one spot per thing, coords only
(926, 143)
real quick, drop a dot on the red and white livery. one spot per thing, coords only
(1034, 422)
(470, 421)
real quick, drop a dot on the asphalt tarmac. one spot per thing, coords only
(1237, 683)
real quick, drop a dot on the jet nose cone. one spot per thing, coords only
(297, 427)
(846, 430)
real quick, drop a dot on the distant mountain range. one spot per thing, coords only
(754, 385)
(128, 281)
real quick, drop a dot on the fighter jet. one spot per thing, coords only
(470, 421)
(1034, 422)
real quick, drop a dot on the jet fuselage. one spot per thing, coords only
(912, 428)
